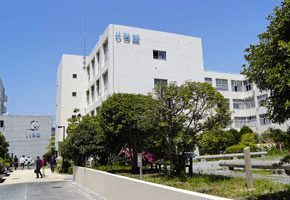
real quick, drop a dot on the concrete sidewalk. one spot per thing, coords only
(28, 175)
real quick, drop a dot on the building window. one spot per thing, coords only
(105, 80)
(160, 55)
(222, 84)
(240, 121)
(239, 104)
(92, 113)
(1, 123)
(262, 99)
(88, 73)
(74, 75)
(105, 49)
(251, 121)
(264, 120)
(159, 81)
(98, 59)
(93, 92)
(88, 96)
(208, 80)
(93, 66)
(74, 94)
(237, 86)
(247, 86)
(38, 135)
(250, 103)
(98, 88)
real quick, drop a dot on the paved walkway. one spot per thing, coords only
(28, 175)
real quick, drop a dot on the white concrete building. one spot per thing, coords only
(125, 60)
(3, 98)
(134, 60)
(244, 101)
(27, 135)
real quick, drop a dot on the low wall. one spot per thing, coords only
(114, 187)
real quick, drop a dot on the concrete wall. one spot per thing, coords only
(66, 85)
(23, 138)
(114, 187)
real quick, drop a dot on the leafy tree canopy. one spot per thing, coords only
(268, 63)
(82, 143)
(3, 146)
(119, 118)
(179, 112)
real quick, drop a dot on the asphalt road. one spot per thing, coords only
(60, 190)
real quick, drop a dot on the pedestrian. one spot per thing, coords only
(43, 161)
(29, 162)
(22, 161)
(38, 166)
(52, 163)
(15, 162)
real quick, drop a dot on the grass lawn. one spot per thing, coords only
(217, 185)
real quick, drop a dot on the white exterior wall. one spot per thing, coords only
(66, 85)
(131, 67)
(254, 92)
(3, 98)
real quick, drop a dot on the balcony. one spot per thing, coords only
(4, 109)
(5, 98)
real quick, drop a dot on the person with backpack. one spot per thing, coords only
(38, 166)
(15, 162)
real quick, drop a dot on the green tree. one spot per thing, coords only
(3, 146)
(215, 141)
(82, 143)
(119, 116)
(268, 63)
(245, 129)
(180, 112)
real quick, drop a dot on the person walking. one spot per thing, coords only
(38, 166)
(43, 161)
(29, 162)
(15, 162)
(22, 161)
(52, 163)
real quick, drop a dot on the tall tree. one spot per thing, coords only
(119, 116)
(3, 146)
(268, 63)
(180, 112)
(82, 142)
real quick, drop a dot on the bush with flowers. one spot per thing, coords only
(268, 147)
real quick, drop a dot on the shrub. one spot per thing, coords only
(236, 134)
(245, 129)
(268, 147)
(239, 148)
(249, 139)
(215, 141)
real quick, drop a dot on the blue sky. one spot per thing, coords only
(35, 33)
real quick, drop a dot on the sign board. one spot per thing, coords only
(139, 158)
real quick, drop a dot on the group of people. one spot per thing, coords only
(40, 164)
(23, 161)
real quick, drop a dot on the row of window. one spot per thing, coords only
(251, 121)
(97, 62)
(95, 90)
(237, 86)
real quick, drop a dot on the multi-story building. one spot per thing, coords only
(134, 60)
(3, 99)
(244, 100)
(27, 135)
